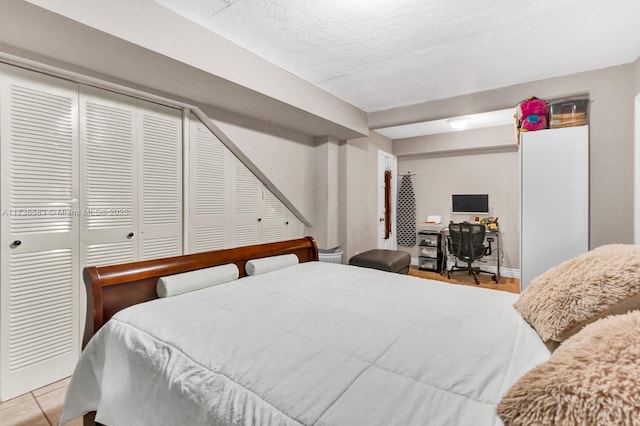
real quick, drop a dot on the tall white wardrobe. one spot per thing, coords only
(93, 177)
(554, 196)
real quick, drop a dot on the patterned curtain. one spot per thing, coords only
(406, 213)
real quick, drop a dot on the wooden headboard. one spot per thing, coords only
(113, 288)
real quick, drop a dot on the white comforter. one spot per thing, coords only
(313, 344)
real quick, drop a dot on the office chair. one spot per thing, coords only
(466, 243)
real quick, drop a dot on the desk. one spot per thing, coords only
(495, 251)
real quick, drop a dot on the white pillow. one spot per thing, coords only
(173, 285)
(268, 264)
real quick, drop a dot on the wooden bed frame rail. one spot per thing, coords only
(113, 288)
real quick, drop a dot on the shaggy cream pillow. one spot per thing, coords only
(562, 300)
(591, 379)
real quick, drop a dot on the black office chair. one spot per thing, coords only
(466, 243)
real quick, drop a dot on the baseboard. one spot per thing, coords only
(504, 272)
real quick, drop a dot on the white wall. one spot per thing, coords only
(636, 68)
(498, 138)
(327, 207)
(611, 91)
(359, 192)
(493, 173)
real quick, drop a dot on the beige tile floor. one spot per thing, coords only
(42, 407)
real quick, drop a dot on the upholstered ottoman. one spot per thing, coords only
(384, 260)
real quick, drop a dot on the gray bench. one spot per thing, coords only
(384, 260)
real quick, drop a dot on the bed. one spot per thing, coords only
(311, 343)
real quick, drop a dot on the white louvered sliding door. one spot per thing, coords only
(159, 180)
(246, 206)
(209, 200)
(131, 179)
(273, 218)
(39, 314)
(293, 227)
(108, 197)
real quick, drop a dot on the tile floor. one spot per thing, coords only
(42, 407)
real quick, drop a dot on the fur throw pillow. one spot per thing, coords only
(577, 291)
(591, 379)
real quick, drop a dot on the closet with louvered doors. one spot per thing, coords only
(228, 205)
(89, 177)
(225, 197)
(39, 230)
(258, 216)
(131, 178)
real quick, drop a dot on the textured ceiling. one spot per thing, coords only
(380, 54)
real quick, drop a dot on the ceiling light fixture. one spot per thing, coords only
(458, 123)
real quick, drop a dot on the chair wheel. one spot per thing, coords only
(494, 278)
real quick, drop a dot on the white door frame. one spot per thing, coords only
(387, 161)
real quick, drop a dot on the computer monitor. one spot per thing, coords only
(470, 203)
